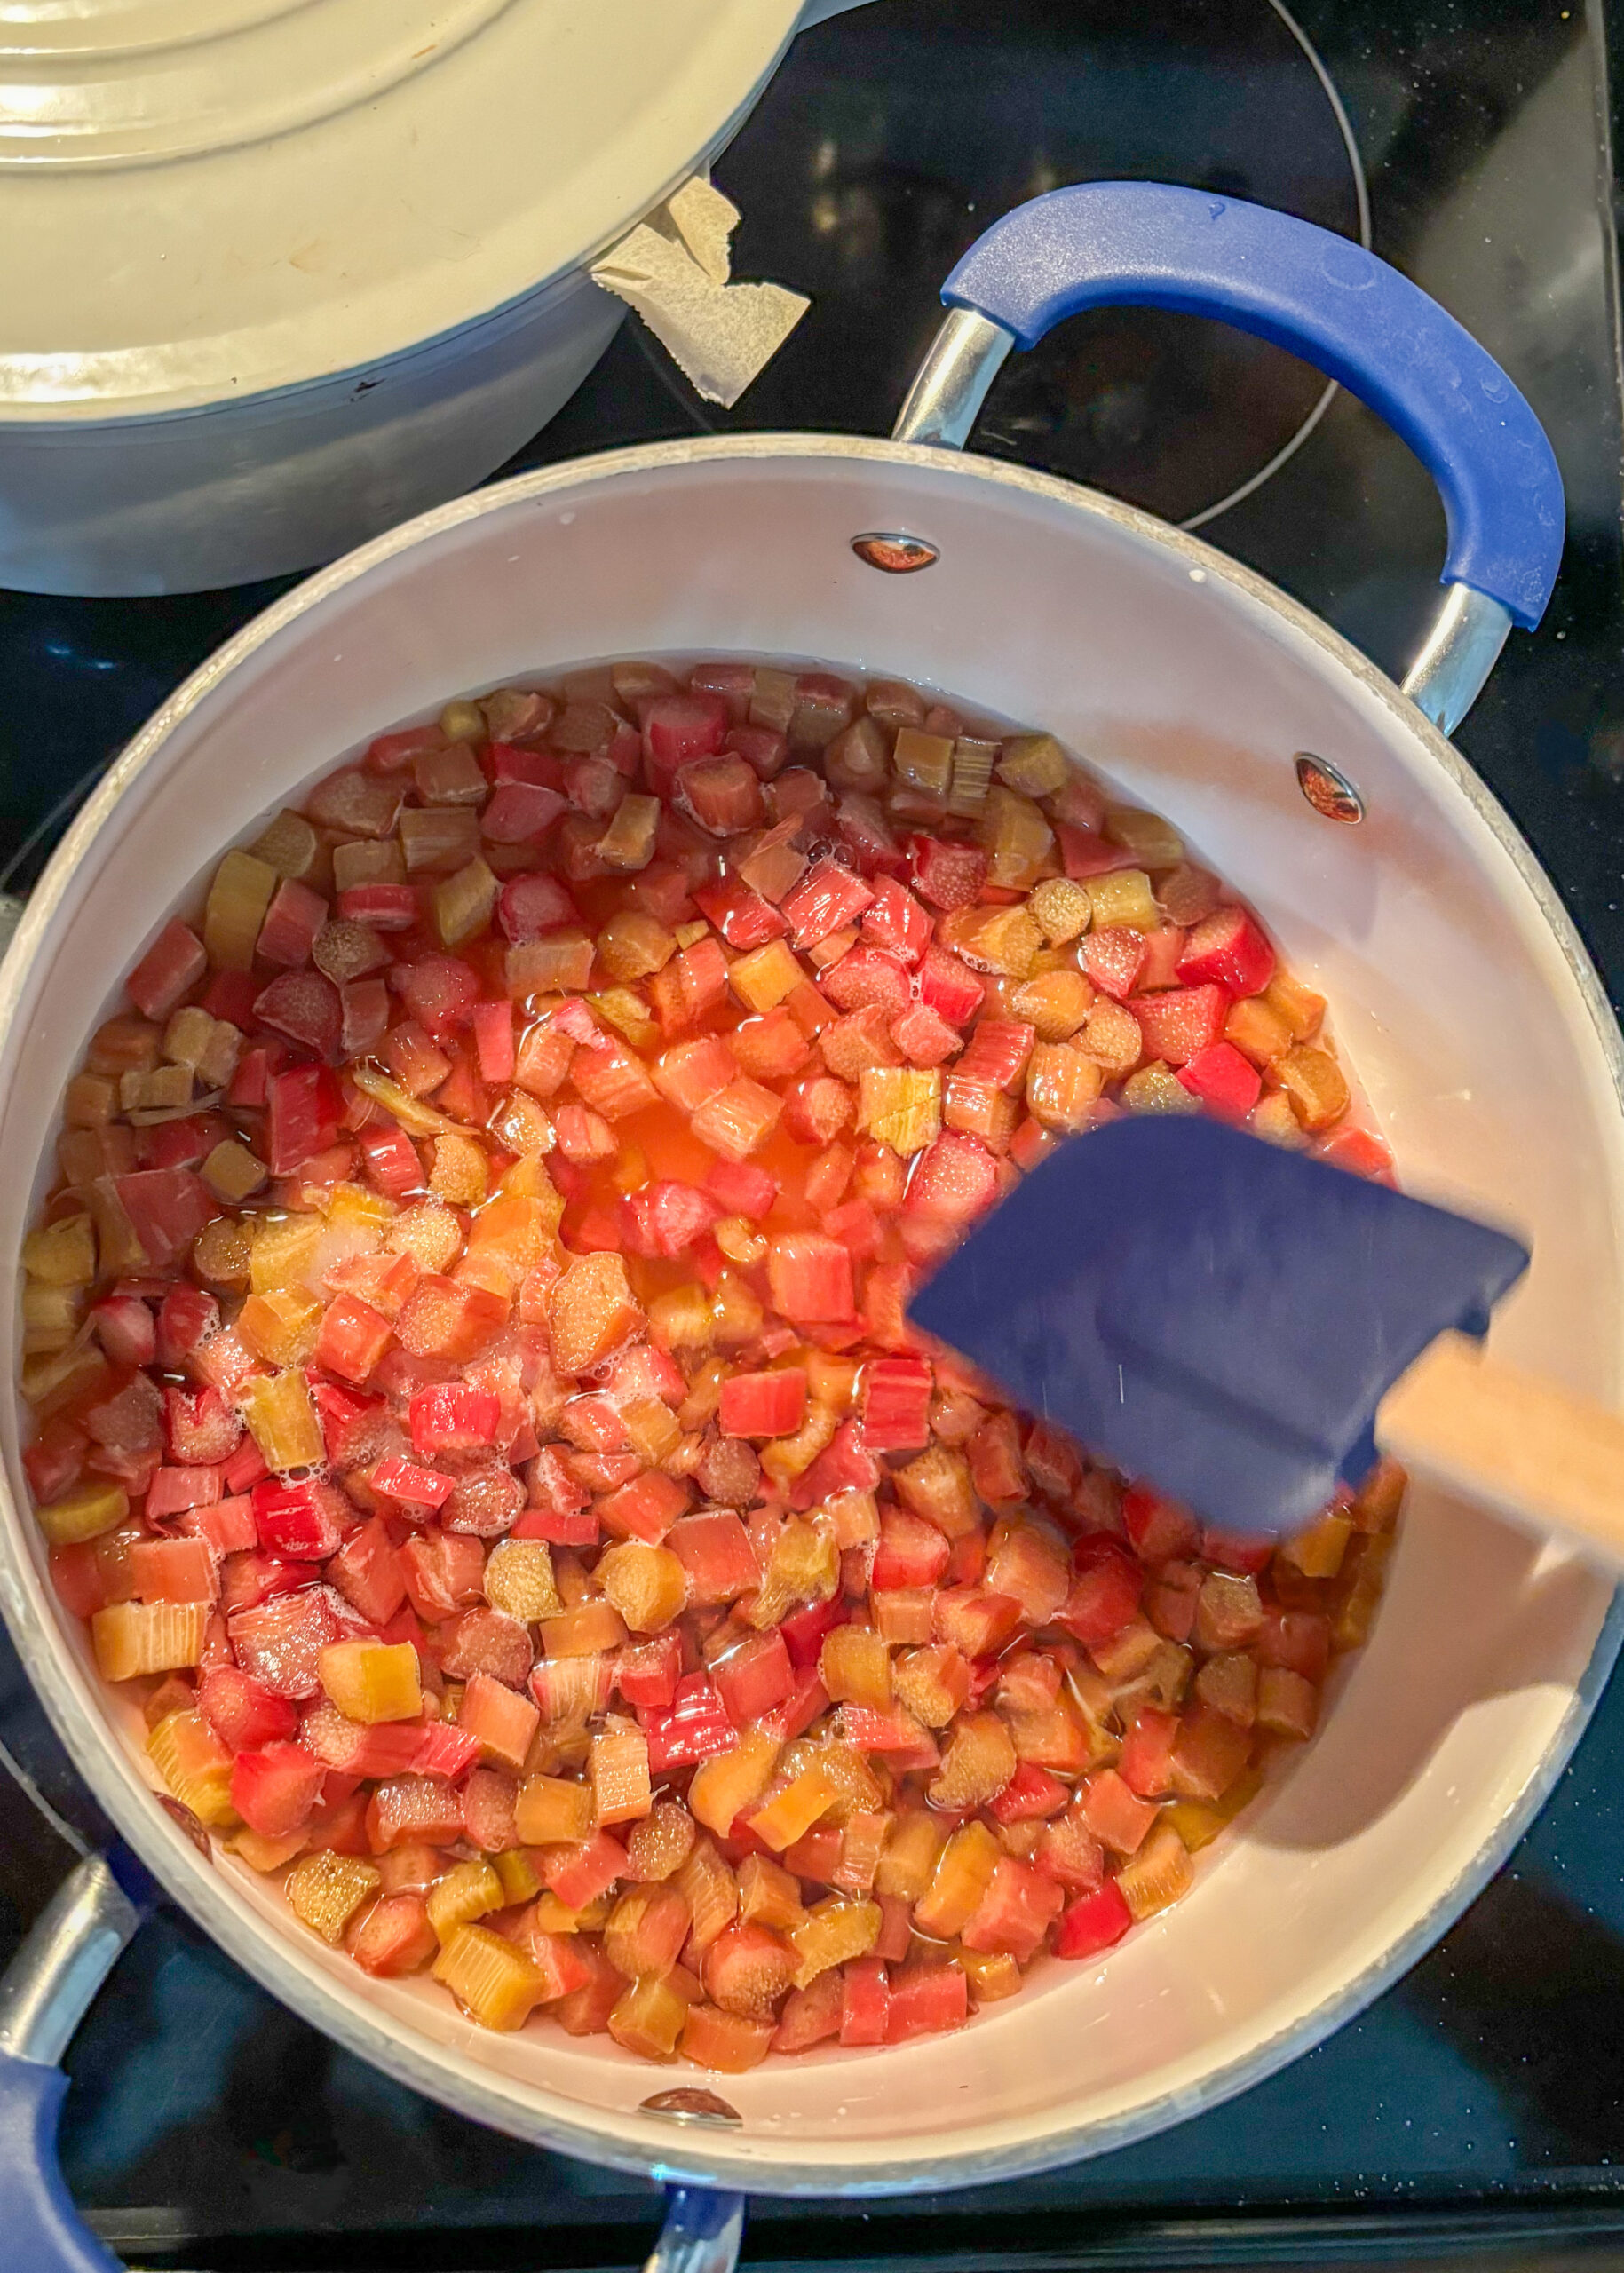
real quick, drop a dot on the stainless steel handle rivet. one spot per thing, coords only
(897, 555)
(1330, 793)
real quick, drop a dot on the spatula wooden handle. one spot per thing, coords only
(1533, 1453)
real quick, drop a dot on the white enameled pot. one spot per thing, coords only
(275, 275)
(1461, 994)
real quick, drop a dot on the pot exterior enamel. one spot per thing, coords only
(1461, 997)
(337, 254)
(195, 500)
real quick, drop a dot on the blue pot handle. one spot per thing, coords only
(1100, 244)
(702, 2233)
(67, 1954)
(39, 2227)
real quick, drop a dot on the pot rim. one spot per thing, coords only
(707, 2158)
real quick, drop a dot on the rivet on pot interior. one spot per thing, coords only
(897, 555)
(1329, 792)
(688, 2104)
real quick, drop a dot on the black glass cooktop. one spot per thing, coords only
(1479, 2106)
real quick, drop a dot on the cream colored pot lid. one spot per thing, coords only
(203, 199)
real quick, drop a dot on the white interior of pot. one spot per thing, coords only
(1461, 1009)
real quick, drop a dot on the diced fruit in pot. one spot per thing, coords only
(476, 1409)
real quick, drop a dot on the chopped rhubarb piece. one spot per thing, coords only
(715, 1550)
(1000, 1050)
(810, 2015)
(173, 1569)
(1114, 956)
(173, 1490)
(1031, 1794)
(924, 1036)
(866, 836)
(394, 1938)
(811, 1279)
(696, 1727)
(741, 1188)
(1116, 1814)
(897, 923)
(1015, 1913)
(1358, 1152)
(305, 1106)
(755, 1678)
(1146, 1765)
(367, 1572)
(668, 1218)
(1227, 949)
(508, 762)
(896, 1403)
(578, 1529)
(493, 1034)
(762, 748)
(807, 1701)
(1093, 1922)
(868, 975)
(1227, 1084)
(1086, 853)
(956, 1179)
(451, 1417)
(553, 1489)
(167, 1208)
(946, 875)
(280, 1642)
(383, 907)
(273, 1790)
(911, 1552)
(304, 1005)
(304, 1521)
(291, 923)
(611, 1077)
(826, 899)
(644, 1508)
(738, 1120)
(772, 1048)
(413, 1808)
(528, 905)
(647, 1673)
(1105, 1592)
(845, 1464)
(230, 995)
(948, 986)
(722, 793)
(1162, 951)
(167, 971)
(926, 2001)
(691, 1073)
(520, 811)
(406, 1481)
(818, 1109)
(353, 1338)
(244, 1713)
(441, 1573)
(488, 1642)
(763, 1405)
(743, 916)
(1158, 1530)
(1178, 1025)
(187, 1318)
(201, 1427)
(677, 728)
(125, 1328)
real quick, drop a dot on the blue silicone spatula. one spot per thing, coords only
(1247, 1328)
